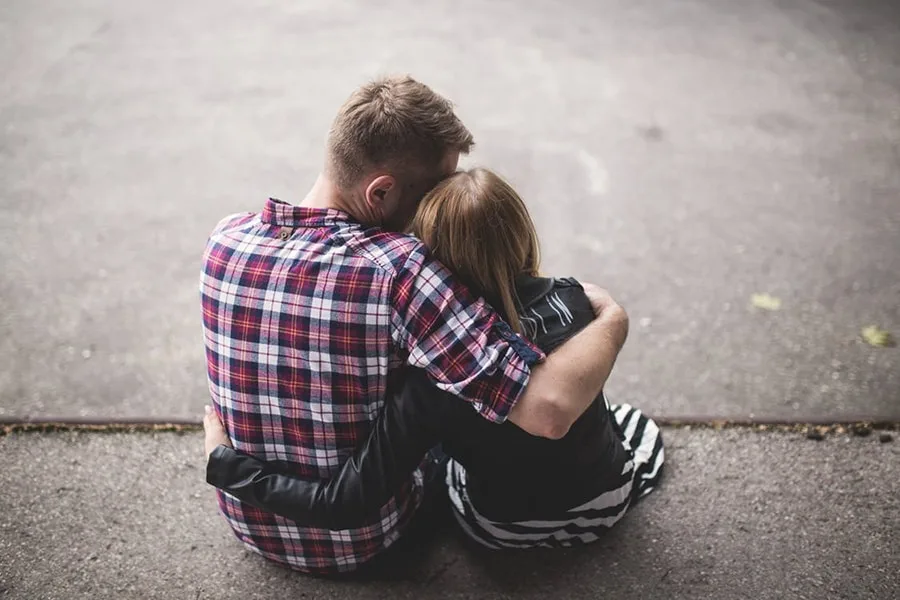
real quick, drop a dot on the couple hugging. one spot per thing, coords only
(389, 341)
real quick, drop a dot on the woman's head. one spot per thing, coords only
(477, 225)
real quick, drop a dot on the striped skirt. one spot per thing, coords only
(582, 524)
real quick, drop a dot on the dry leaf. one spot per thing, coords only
(874, 336)
(765, 301)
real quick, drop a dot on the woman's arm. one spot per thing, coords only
(411, 423)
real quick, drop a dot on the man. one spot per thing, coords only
(310, 312)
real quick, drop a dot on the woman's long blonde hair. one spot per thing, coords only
(479, 227)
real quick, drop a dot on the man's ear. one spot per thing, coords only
(378, 191)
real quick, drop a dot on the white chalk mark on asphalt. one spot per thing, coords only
(589, 243)
(597, 174)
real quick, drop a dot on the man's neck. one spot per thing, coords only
(324, 194)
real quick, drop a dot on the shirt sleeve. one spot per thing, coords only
(459, 340)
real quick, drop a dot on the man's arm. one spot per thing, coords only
(564, 385)
(468, 351)
(457, 339)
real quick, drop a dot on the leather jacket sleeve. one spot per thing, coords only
(411, 423)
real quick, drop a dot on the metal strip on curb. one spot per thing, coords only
(8, 426)
(50, 425)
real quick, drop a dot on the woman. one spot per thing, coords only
(507, 489)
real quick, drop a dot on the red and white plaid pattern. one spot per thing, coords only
(307, 316)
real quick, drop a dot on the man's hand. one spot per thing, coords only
(608, 310)
(214, 430)
(564, 385)
(599, 298)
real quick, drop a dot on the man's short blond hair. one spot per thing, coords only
(394, 123)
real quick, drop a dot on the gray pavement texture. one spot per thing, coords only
(683, 154)
(741, 514)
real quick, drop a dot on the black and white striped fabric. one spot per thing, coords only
(582, 524)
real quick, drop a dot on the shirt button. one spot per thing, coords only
(285, 233)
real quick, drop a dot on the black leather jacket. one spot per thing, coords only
(511, 475)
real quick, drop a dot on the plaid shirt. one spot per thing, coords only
(307, 316)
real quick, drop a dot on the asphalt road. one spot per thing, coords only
(684, 154)
(740, 514)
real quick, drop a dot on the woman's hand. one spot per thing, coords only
(214, 430)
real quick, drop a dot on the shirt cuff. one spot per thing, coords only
(526, 349)
(511, 376)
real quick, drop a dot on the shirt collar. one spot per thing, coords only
(280, 213)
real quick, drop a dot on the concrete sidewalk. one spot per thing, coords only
(742, 514)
